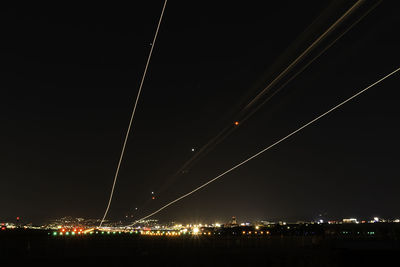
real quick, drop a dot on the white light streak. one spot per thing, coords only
(271, 146)
(133, 114)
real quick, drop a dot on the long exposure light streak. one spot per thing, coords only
(133, 113)
(256, 103)
(269, 147)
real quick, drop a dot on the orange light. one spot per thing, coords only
(153, 197)
(236, 123)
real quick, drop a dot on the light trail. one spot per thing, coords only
(133, 113)
(269, 147)
(254, 105)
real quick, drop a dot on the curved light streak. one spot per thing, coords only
(133, 114)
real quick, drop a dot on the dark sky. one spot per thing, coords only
(69, 76)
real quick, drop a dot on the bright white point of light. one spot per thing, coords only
(192, 149)
(152, 192)
(376, 219)
(196, 230)
(217, 225)
(257, 227)
(321, 221)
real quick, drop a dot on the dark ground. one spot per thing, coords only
(22, 247)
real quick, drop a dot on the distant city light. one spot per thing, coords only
(351, 220)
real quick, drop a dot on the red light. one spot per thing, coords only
(153, 197)
(63, 230)
(17, 218)
(3, 228)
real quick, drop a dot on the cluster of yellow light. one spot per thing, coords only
(204, 233)
(256, 232)
(88, 230)
(158, 233)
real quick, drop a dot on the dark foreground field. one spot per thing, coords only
(28, 247)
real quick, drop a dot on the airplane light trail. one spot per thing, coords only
(133, 113)
(269, 147)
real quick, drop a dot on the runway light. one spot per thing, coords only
(196, 230)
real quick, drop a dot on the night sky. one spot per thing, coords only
(70, 74)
